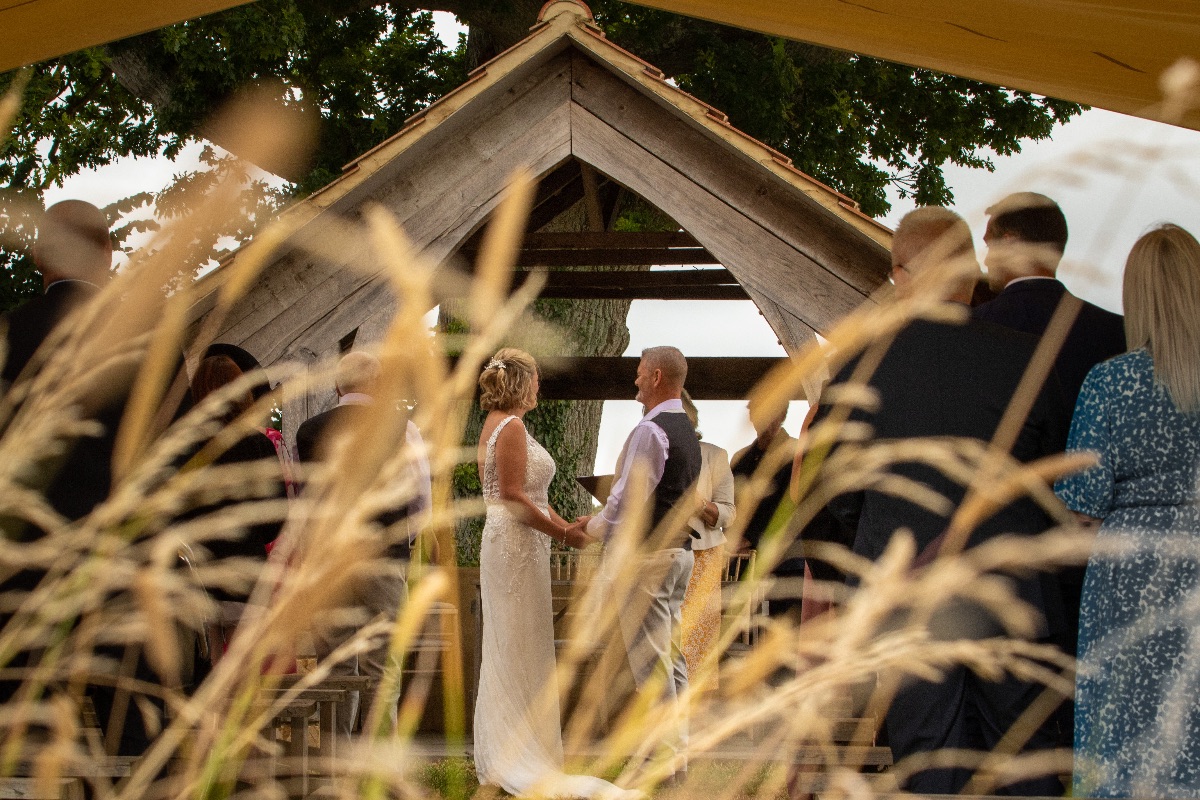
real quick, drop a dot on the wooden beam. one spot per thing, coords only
(645, 293)
(609, 240)
(586, 257)
(599, 378)
(649, 279)
(591, 198)
(676, 284)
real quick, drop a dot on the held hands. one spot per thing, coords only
(576, 535)
(709, 513)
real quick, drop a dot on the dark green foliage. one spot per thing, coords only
(366, 68)
(468, 534)
(856, 123)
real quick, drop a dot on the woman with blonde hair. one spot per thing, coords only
(1137, 717)
(702, 603)
(518, 738)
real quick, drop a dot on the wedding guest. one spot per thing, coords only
(1026, 235)
(941, 379)
(248, 363)
(213, 374)
(662, 451)
(771, 513)
(1137, 723)
(379, 589)
(701, 612)
(74, 254)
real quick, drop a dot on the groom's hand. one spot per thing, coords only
(577, 536)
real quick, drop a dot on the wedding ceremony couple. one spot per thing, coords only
(518, 737)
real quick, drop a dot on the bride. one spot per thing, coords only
(518, 741)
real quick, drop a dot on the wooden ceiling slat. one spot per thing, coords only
(645, 293)
(608, 240)
(588, 257)
(650, 279)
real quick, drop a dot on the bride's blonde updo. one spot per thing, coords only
(507, 381)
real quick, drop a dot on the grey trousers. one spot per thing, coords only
(379, 593)
(654, 640)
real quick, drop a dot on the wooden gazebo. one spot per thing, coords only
(588, 118)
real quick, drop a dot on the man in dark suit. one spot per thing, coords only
(379, 589)
(941, 379)
(74, 254)
(1026, 236)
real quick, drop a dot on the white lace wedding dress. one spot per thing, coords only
(518, 739)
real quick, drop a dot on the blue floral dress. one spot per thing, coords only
(1137, 699)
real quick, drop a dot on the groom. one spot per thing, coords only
(663, 452)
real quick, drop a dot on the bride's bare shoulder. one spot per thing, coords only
(493, 420)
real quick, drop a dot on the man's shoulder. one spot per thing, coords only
(315, 425)
(1097, 316)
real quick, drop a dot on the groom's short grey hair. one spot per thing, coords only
(357, 372)
(668, 359)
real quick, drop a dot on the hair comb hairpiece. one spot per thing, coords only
(494, 364)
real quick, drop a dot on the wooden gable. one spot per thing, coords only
(567, 104)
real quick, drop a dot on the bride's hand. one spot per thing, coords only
(576, 535)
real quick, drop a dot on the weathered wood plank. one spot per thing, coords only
(676, 284)
(711, 163)
(439, 203)
(761, 260)
(648, 279)
(601, 378)
(645, 293)
(480, 147)
(643, 240)
(588, 257)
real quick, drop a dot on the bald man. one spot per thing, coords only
(379, 590)
(940, 379)
(74, 255)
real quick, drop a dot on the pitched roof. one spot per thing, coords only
(804, 252)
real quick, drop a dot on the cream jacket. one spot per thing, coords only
(716, 485)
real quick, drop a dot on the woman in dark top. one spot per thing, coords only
(252, 542)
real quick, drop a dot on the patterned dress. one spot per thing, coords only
(1137, 702)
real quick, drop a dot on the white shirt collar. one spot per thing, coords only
(1030, 278)
(72, 280)
(355, 399)
(674, 404)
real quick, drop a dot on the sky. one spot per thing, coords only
(1114, 176)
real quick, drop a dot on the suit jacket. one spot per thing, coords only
(715, 484)
(316, 436)
(1096, 335)
(31, 323)
(945, 380)
(83, 480)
